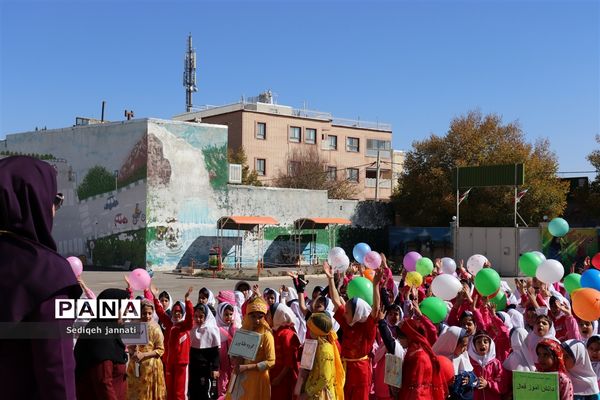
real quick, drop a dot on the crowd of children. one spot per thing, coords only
(470, 355)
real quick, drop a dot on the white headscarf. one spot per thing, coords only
(268, 290)
(291, 298)
(533, 339)
(506, 319)
(585, 381)
(330, 312)
(207, 335)
(211, 298)
(595, 364)
(445, 346)
(361, 310)
(486, 358)
(283, 315)
(239, 299)
(516, 318)
(520, 358)
(237, 320)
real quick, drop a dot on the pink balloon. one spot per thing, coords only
(139, 279)
(410, 261)
(76, 265)
(372, 260)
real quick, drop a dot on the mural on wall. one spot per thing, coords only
(578, 244)
(187, 171)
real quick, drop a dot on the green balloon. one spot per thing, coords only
(424, 266)
(499, 300)
(572, 282)
(362, 288)
(487, 282)
(434, 308)
(528, 263)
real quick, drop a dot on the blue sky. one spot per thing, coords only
(414, 64)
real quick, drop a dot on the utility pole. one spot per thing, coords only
(377, 176)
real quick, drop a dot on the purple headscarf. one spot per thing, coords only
(31, 271)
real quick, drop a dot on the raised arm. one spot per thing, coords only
(376, 294)
(333, 293)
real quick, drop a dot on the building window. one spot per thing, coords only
(310, 136)
(352, 144)
(293, 168)
(260, 166)
(294, 135)
(382, 146)
(331, 174)
(352, 174)
(261, 130)
(332, 140)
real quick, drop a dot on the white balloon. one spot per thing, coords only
(475, 263)
(341, 264)
(448, 265)
(539, 253)
(446, 287)
(334, 254)
(550, 271)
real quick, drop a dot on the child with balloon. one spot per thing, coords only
(357, 320)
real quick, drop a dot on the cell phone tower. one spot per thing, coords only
(189, 74)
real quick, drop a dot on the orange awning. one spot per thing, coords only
(319, 223)
(244, 222)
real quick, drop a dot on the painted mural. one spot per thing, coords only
(187, 167)
(578, 244)
(149, 193)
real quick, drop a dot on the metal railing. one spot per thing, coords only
(357, 123)
(383, 183)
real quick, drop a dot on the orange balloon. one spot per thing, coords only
(586, 303)
(369, 274)
(446, 368)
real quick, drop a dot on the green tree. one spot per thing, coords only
(307, 169)
(592, 203)
(98, 180)
(238, 156)
(425, 194)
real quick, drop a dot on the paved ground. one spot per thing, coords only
(177, 285)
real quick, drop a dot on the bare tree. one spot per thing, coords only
(307, 169)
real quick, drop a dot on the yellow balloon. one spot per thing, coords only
(414, 279)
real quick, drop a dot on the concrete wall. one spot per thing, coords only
(150, 192)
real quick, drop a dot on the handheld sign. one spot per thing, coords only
(245, 344)
(393, 370)
(308, 354)
(535, 385)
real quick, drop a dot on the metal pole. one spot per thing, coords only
(515, 197)
(377, 177)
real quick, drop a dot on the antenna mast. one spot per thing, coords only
(189, 74)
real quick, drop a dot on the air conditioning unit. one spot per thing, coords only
(235, 173)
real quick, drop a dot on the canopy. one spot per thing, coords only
(244, 222)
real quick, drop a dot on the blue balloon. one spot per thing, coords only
(558, 227)
(591, 279)
(359, 252)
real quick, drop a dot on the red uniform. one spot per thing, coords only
(177, 350)
(287, 346)
(357, 343)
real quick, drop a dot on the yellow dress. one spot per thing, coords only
(255, 384)
(320, 384)
(150, 385)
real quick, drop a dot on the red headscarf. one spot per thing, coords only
(555, 348)
(412, 328)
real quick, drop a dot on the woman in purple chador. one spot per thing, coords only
(32, 276)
